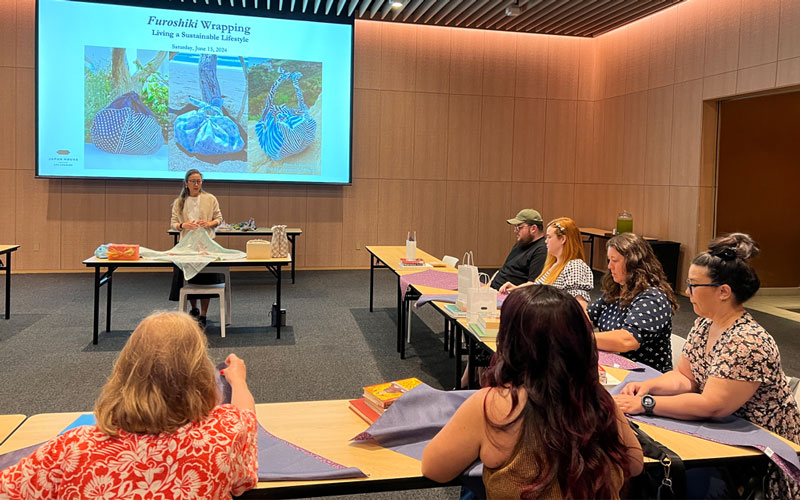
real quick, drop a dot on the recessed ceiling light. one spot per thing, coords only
(397, 4)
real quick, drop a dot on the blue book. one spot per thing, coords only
(87, 419)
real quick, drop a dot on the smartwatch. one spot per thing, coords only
(649, 403)
(180, 226)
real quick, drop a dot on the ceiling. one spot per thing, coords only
(583, 18)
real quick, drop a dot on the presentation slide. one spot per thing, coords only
(133, 92)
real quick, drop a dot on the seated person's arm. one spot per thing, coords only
(458, 444)
(236, 375)
(720, 398)
(628, 438)
(510, 287)
(616, 341)
(677, 381)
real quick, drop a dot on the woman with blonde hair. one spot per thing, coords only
(565, 266)
(160, 430)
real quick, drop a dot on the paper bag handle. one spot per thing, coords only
(468, 259)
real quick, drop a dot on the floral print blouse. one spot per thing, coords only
(746, 352)
(213, 458)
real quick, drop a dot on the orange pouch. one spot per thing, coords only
(123, 252)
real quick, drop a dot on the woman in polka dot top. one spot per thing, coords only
(634, 314)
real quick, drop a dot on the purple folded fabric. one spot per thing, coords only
(431, 277)
(736, 431)
(280, 460)
(617, 361)
(13, 457)
(413, 420)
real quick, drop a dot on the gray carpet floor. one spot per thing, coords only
(331, 347)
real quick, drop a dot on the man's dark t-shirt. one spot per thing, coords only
(524, 263)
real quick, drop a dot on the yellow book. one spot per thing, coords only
(383, 395)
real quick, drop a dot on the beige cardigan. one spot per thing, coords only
(209, 210)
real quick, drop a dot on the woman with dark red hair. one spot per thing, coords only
(544, 427)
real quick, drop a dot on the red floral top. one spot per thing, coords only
(208, 459)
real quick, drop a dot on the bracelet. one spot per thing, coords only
(180, 226)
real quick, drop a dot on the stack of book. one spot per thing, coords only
(486, 327)
(412, 263)
(377, 398)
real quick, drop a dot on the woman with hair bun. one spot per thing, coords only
(544, 427)
(730, 364)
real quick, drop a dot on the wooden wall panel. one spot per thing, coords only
(245, 201)
(287, 205)
(586, 142)
(494, 207)
(654, 217)
(367, 55)
(615, 57)
(499, 63)
(395, 211)
(661, 59)
(8, 203)
(638, 67)
(8, 34)
(497, 135)
(25, 139)
(395, 143)
(430, 136)
(708, 144)
(722, 36)
(428, 216)
(83, 221)
(560, 134)
(38, 222)
(461, 206)
(659, 135)
(527, 195)
(466, 61)
(8, 117)
(563, 63)
(26, 29)
(683, 218)
(366, 132)
(398, 56)
(722, 85)
(463, 137)
(323, 227)
(587, 67)
(125, 212)
(558, 200)
(788, 72)
(360, 228)
(690, 40)
(628, 197)
(528, 144)
(756, 78)
(613, 125)
(433, 59)
(789, 35)
(758, 35)
(686, 133)
(531, 67)
(635, 138)
(160, 196)
(587, 205)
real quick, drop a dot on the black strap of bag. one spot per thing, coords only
(670, 483)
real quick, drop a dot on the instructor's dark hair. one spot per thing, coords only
(727, 261)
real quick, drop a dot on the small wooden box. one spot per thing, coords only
(258, 249)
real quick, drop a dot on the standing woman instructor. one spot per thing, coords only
(195, 209)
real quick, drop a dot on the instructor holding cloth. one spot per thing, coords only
(195, 209)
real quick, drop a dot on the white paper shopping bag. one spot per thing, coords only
(481, 301)
(467, 279)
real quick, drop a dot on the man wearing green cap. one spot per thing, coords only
(526, 260)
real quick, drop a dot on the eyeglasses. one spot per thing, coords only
(519, 227)
(691, 286)
(194, 181)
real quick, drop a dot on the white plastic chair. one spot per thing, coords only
(221, 290)
(677, 349)
(450, 261)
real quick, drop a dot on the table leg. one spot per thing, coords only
(591, 252)
(291, 240)
(174, 239)
(401, 345)
(8, 285)
(108, 302)
(371, 280)
(471, 348)
(96, 304)
(457, 342)
(446, 333)
(278, 300)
